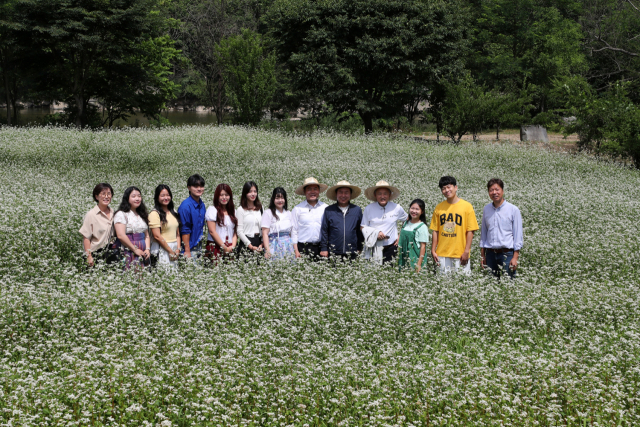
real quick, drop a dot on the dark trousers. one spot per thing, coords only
(312, 250)
(499, 262)
(389, 252)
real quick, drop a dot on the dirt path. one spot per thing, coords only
(556, 140)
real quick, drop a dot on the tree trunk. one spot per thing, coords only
(367, 119)
(14, 101)
(79, 109)
(219, 103)
(498, 133)
(7, 93)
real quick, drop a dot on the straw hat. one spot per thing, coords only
(310, 181)
(355, 191)
(370, 193)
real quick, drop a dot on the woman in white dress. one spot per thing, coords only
(131, 225)
(276, 227)
(221, 223)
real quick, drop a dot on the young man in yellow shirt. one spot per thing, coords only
(453, 224)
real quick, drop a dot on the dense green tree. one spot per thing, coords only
(9, 57)
(249, 71)
(372, 57)
(203, 25)
(530, 43)
(91, 46)
(464, 109)
(612, 43)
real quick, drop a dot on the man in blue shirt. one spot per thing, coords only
(192, 211)
(501, 236)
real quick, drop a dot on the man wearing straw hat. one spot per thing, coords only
(306, 219)
(384, 215)
(340, 233)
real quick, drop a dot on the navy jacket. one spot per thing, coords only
(341, 234)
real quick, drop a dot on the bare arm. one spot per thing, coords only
(423, 251)
(265, 242)
(86, 244)
(157, 234)
(464, 259)
(187, 248)
(211, 226)
(434, 245)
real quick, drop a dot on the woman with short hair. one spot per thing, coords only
(131, 223)
(97, 226)
(276, 227)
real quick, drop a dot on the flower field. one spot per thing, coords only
(296, 344)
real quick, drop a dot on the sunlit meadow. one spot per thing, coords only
(301, 344)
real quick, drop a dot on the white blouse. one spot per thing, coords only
(248, 223)
(226, 231)
(282, 224)
(135, 224)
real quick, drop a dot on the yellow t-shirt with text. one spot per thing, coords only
(452, 223)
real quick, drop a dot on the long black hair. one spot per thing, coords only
(126, 207)
(158, 207)
(420, 203)
(243, 199)
(272, 202)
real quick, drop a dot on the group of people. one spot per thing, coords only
(384, 232)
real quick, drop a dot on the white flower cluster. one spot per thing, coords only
(284, 344)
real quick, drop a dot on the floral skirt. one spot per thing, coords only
(129, 259)
(280, 246)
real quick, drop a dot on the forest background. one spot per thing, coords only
(459, 66)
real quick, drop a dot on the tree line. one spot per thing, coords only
(462, 66)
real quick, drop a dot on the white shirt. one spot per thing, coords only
(135, 224)
(306, 221)
(248, 223)
(281, 225)
(226, 231)
(384, 219)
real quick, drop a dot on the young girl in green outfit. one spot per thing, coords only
(414, 237)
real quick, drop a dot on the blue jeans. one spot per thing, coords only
(499, 263)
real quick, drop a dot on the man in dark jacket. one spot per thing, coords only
(340, 233)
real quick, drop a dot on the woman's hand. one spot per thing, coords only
(227, 248)
(90, 260)
(267, 255)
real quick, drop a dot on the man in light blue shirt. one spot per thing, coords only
(501, 236)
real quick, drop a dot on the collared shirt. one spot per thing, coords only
(384, 219)
(306, 222)
(98, 228)
(192, 219)
(501, 227)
